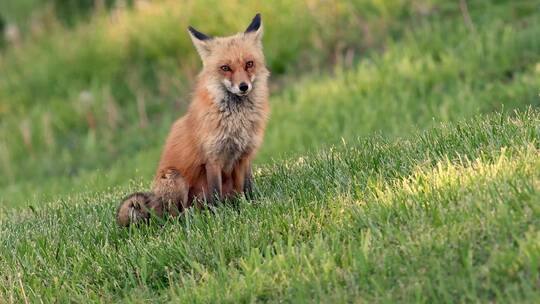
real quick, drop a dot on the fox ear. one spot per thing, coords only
(201, 42)
(255, 28)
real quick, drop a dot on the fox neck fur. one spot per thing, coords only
(233, 125)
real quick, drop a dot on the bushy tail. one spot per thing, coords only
(168, 197)
(138, 207)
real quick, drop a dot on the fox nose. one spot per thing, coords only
(243, 87)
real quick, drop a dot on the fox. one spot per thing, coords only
(208, 153)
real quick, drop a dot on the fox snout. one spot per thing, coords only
(241, 89)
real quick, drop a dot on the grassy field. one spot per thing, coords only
(447, 214)
(400, 163)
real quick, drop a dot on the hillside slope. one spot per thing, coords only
(424, 66)
(447, 214)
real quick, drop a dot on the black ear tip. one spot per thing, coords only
(192, 30)
(255, 23)
(257, 19)
(197, 34)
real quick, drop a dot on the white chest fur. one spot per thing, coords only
(235, 133)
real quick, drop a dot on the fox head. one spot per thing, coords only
(233, 64)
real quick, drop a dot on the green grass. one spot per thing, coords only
(449, 214)
(432, 69)
(62, 104)
(438, 73)
(401, 162)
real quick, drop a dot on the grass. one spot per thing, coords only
(415, 83)
(448, 214)
(431, 70)
(60, 98)
(400, 164)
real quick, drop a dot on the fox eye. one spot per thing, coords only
(249, 64)
(225, 68)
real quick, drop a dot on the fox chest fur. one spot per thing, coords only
(237, 130)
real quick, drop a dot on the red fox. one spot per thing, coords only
(208, 152)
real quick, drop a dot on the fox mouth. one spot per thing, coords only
(236, 89)
(236, 97)
(237, 92)
(234, 94)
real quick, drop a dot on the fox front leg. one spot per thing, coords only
(242, 177)
(248, 183)
(213, 179)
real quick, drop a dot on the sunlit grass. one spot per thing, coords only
(378, 180)
(436, 71)
(449, 213)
